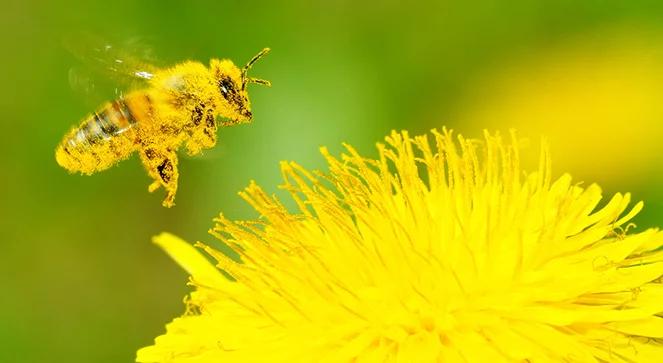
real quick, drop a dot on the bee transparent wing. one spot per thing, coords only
(128, 65)
(84, 82)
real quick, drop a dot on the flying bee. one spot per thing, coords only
(179, 106)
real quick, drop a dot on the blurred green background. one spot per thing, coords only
(81, 281)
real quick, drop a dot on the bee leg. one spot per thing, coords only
(230, 122)
(203, 136)
(154, 186)
(162, 167)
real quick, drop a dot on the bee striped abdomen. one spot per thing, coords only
(102, 139)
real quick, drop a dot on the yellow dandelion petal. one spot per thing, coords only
(439, 250)
(200, 269)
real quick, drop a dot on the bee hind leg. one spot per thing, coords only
(161, 164)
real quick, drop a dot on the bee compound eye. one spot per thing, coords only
(226, 87)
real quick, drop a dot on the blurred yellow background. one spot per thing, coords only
(81, 281)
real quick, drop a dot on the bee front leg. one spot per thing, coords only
(161, 164)
(203, 135)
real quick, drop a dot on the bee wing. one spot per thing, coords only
(127, 65)
(84, 82)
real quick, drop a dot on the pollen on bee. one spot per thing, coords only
(157, 120)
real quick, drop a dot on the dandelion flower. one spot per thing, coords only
(439, 251)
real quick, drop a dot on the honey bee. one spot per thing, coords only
(179, 106)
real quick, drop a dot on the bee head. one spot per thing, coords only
(231, 83)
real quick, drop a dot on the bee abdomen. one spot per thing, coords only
(101, 140)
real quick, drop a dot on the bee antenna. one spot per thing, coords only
(248, 65)
(263, 82)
